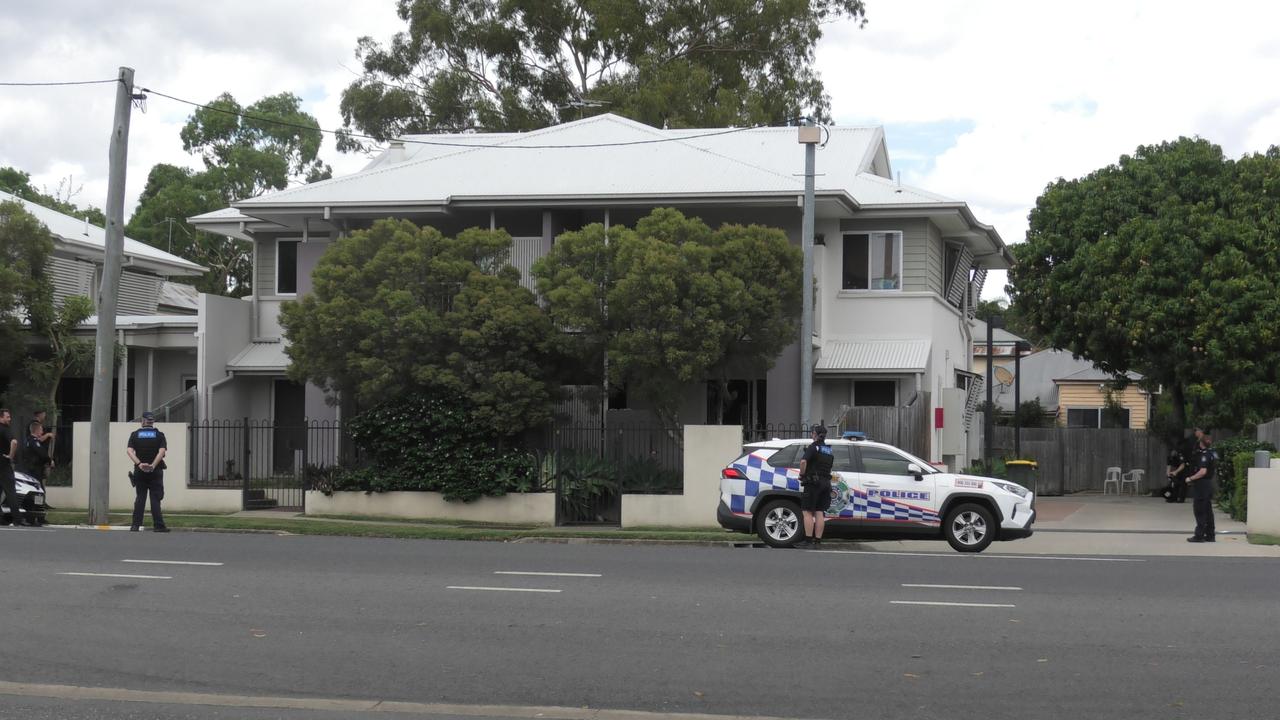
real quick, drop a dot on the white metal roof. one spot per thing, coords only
(136, 322)
(178, 296)
(589, 158)
(260, 357)
(77, 234)
(871, 355)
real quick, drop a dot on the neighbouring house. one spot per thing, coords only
(156, 318)
(1070, 388)
(898, 269)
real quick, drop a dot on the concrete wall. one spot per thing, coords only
(707, 449)
(523, 508)
(177, 496)
(224, 330)
(1264, 499)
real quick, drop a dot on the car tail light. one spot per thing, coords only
(732, 473)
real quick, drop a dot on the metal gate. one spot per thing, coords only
(268, 463)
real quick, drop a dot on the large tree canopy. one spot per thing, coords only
(398, 309)
(508, 65)
(673, 302)
(1165, 264)
(172, 195)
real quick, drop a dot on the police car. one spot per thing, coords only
(31, 505)
(877, 491)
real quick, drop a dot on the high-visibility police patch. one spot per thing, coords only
(147, 434)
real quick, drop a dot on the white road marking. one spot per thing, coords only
(114, 575)
(500, 589)
(546, 574)
(962, 587)
(174, 562)
(969, 555)
(950, 604)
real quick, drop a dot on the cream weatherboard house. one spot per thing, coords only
(897, 268)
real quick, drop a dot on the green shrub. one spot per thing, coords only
(647, 475)
(1235, 456)
(432, 444)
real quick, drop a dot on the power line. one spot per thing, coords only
(51, 84)
(437, 143)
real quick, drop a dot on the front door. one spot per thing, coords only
(895, 496)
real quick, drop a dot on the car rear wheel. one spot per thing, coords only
(969, 528)
(780, 524)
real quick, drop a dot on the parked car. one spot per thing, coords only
(31, 501)
(877, 491)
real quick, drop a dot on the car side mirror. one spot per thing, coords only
(915, 470)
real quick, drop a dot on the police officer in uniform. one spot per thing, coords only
(815, 483)
(147, 448)
(1205, 462)
(8, 454)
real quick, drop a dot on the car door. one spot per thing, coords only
(846, 506)
(894, 493)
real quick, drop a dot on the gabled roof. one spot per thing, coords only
(606, 156)
(260, 357)
(78, 237)
(1094, 375)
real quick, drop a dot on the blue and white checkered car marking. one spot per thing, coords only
(759, 476)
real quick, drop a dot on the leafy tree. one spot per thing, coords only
(673, 302)
(246, 151)
(172, 195)
(25, 247)
(1165, 264)
(524, 64)
(397, 310)
(66, 353)
(17, 182)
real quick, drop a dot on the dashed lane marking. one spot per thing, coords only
(950, 604)
(500, 589)
(117, 575)
(961, 587)
(547, 574)
(174, 562)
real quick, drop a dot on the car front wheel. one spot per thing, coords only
(969, 528)
(780, 524)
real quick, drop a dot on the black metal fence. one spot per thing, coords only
(267, 461)
(590, 468)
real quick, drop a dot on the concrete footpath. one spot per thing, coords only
(1088, 524)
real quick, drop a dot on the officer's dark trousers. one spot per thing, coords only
(152, 484)
(1203, 509)
(10, 493)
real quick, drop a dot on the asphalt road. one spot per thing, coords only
(331, 627)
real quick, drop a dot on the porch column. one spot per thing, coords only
(151, 379)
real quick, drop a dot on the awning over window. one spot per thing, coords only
(262, 358)
(874, 355)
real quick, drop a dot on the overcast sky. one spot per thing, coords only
(982, 101)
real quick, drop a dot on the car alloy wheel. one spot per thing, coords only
(969, 528)
(780, 524)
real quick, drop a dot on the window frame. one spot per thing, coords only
(870, 235)
(297, 244)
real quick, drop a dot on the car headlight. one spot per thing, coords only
(1010, 487)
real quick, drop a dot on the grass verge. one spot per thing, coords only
(1262, 539)
(401, 529)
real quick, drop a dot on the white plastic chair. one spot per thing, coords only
(1133, 476)
(1113, 476)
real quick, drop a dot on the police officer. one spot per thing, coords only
(147, 448)
(8, 454)
(1179, 468)
(815, 484)
(1205, 462)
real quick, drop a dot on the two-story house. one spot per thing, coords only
(155, 316)
(897, 269)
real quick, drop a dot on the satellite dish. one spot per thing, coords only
(1003, 376)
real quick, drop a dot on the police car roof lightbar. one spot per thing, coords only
(854, 435)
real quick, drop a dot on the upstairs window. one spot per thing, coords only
(873, 261)
(287, 267)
